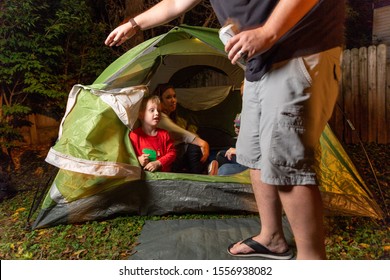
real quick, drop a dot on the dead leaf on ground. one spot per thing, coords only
(79, 253)
(38, 172)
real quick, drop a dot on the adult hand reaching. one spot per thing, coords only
(120, 34)
(164, 11)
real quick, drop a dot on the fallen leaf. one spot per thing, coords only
(38, 171)
(79, 253)
(41, 232)
(15, 215)
(67, 251)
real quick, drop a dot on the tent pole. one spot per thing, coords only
(366, 155)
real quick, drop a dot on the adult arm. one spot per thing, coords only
(160, 13)
(180, 135)
(285, 15)
(204, 147)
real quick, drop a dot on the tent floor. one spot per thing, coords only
(197, 239)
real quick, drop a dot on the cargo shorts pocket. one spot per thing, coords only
(289, 145)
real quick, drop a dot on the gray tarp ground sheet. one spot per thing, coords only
(197, 239)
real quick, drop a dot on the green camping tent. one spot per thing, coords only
(99, 175)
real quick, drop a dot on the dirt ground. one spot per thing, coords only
(25, 170)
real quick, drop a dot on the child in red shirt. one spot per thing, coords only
(153, 146)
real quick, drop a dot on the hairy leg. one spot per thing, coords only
(270, 211)
(303, 207)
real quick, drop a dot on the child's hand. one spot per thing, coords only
(143, 159)
(230, 153)
(153, 166)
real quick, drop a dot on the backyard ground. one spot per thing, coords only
(347, 237)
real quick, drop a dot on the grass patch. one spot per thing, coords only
(347, 238)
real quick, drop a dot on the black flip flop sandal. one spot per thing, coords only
(261, 251)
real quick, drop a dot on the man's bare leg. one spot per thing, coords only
(303, 207)
(304, 210)
(270, 211)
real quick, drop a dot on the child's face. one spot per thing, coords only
(169, 101)
(151, 115)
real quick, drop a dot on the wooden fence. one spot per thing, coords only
(43, 131)
(363, 107)
(362, 110)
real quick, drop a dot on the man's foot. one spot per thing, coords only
(213, 168)
(255, 249)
